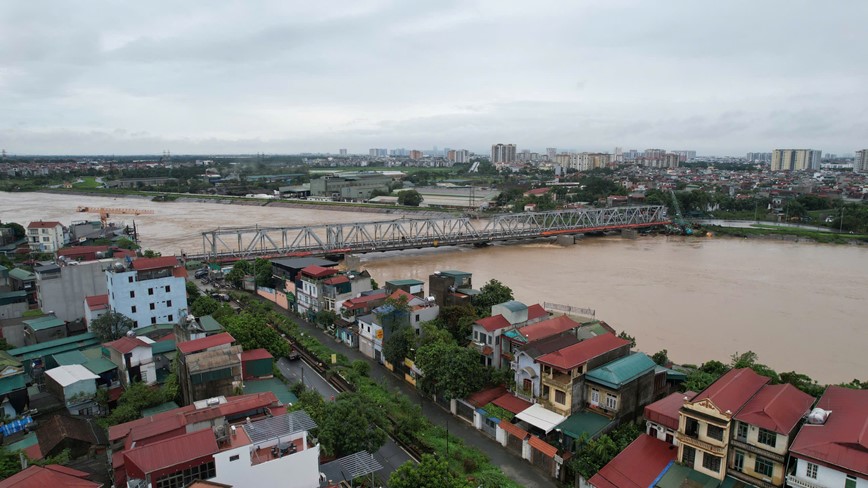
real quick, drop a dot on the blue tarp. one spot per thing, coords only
(14, 426)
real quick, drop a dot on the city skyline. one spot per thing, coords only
(721, 79)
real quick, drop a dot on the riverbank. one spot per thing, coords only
(772, 232)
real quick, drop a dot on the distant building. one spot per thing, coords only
(350, 186)
(685, 156)
(502, 154)
(458, 155)
(759, 157)
(551, 152)
(343, 152)
(378, 152)
(149, 290)
(415, 154)
(45, 236)
(795, 159)
(860, 163)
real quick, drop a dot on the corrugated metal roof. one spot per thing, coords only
(254, 354)
(196, 345)
(572, 356)
(279, 426)
(21, 274)
(70, 357)
(732, 390)
(511, 403)
(171, 452)
(39, 477)
(513, 430)
(43, 323)
(584, 423)
(80, 341)
(638, 465)
(71, 374)
(144, 264)
(777, 408)
(126, 344)
(543, 446)
(99, 365)
(621, 371)
(210, 324)
(665, 410)
(547, 328)
(493, 323)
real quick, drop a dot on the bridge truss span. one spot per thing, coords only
(231, 244)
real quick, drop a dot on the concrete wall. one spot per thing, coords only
(64, 295)
(299, 470)
(164, 290)
(13, 310)
(275, 296)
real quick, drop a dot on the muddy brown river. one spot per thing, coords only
(800, 306)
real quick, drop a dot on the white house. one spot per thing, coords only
(45, 236)
(76, 386)
(134, 358)
(370, 337)
(149, 290)
(831, 448)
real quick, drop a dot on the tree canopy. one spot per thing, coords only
(432, 472)
(111, 326)
(350, 425)
(450, 370)
(410, 198)
(492, 293)
(398, 344)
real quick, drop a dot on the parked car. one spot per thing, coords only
(221, 297)
(293, 354)
(201, 273)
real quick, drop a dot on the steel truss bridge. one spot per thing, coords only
(233, 244)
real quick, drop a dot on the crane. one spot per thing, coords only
(105, 213)
(679, 221)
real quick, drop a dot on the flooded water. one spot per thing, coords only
(800, 306)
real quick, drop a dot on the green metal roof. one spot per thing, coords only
(163, 407)
(405, 282)
(210, 324)
(12, 383)
(469, 291)
(513, 306)
(12, 294)
(99, 365)
(7, 359)
(142, 331)
(454, 272)
(79, 342)
(22, 274)
(274, 385)
(27, 441)
(677, 476)
(43, 323)
(162, 347)
(583, 423)
(621, 371)
(69, 358)
(671, 374)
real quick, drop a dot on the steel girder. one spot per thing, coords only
(248, 242)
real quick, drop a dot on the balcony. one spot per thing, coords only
(750, 480)
(737, 442)
(705, 446)
(796, 481)
(562, 381)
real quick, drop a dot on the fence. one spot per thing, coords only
(569, 309)
(465, 410)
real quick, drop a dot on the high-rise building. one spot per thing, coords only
(619, 155)
(795, 159)
(502, 153)
(654, 153)
(759, 157)
(551, 152)
(343, 152)
(684, 156)
(415, 154)
(149, 291)
(860, 163)
(458, 155)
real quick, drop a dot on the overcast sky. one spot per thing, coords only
(720, 77)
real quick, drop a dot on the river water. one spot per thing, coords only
(800, 306)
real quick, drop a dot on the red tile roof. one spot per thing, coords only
(513, 429)
(397, 294)
(255, 354)
(665, 410)
(69, 471)
(733, 390)
(43, 225)
(548, 328)
(170, 452)
(577, 354)
(359, 302)
(144, 264)
(315, 271)
(336, 280)
(484, 397)
(637, 466)
(126, 344)
(197, 345)
(78, 250)
(39, 477)
(843, 440)
(536, 311)
(543, 446)
(511, 403)
(494, 323)
(97, 302)
(777, 408)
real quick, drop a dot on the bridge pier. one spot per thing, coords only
(629, 233)
(565, 240)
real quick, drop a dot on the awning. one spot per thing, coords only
(539, 417)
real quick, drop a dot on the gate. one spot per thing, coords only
(465, 410)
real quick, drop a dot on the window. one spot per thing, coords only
(714, 432)
(545, 392)
(150, 291)
(595, 396)
(234, 458)
(130, 278)
(688, 457)
(560, 397)
(153, 320)
(811, 472)
(764, 467)
(417, 317)
(850, 482)
(168, 303)
(711, 463)
(767, 437)
(168, 288)
(171, 318)
(45, 239)
(153, 306)
(611, 401)
(132, 293)
(527, 385)
(738, 465)
(133, 309)
(741, 431)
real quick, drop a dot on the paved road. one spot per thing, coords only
(513, 466)
(390, 456)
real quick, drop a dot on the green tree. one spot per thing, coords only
(18, 231)
(458, 320)
(151, 253)
(253, 332)
(628, 337)
(111, 326)
(124, 243)
(325, 318)
(450, 370)
(432, 472)
(263, 273)
(137, 397)
(398, 344)
(10, 462)
(204, 305)
(192, 291)
(661, 357)
(236, 276)
(410, 198)
(350, 425)
(598, 452)
(492, 293)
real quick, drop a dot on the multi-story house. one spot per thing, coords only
(374, 328)
(446, 287)
(831, 448)
(539, 328)
(326, 288)
(209, 367)
(661, 417)
(563, 371)
(134, 359)
(704, 423)
(413, 287)
(762, 433)
(526, 367)
(486, 334)
(63, 287)
(621, 388)
(149, 290)
(45, 236)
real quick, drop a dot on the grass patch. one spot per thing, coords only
(763, 230)
(87, 182)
